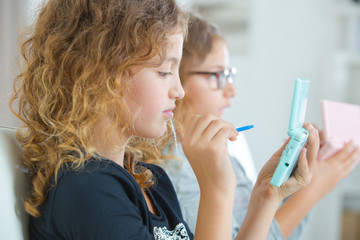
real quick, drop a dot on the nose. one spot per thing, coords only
(230, 90)
(177, 91)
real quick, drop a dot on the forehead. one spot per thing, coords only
(218, 55)
(172, 51)
(175, 46)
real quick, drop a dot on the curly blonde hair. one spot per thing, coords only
(76, 71)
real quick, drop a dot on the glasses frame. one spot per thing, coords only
(223, 77)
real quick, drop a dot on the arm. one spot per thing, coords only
(243, 193)
(214, 215)
(327, 174)
(260, 215)
(205, 146)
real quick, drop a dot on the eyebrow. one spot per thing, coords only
(216, 68)
(172, 59)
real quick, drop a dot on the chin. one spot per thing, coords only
(158, 134)
(153, 132)
(219, 114)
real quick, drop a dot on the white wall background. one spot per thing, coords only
(12, 19)
(286, 39)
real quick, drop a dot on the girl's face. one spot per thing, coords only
(154, 92)
(200, 87)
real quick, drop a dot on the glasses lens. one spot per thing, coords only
(226, 76)
(213, 80)
(222, 79)
(233, 70)
(218, 80)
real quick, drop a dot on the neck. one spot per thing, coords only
(114, 153)
(108, 143)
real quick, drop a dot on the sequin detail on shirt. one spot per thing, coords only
(179, 233)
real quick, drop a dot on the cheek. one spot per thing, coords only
(147, 112)
(205, 102)
(150, 103)
(206, 107)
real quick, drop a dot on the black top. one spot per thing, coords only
(103, 201)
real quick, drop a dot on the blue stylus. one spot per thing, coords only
(240, 129)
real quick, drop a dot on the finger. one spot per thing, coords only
(193, 122)
(350, 163)
(321, 133)
(302, 174)
(281, 149)
(216, 125)
(303, 164)
(205, 122)
(234, 138)
(202, 124)
(357, 158)
(314, 125)
(222, 136)
(343, 153)
(313, 146)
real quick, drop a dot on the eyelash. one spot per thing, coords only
(212, 76)
(165, 74)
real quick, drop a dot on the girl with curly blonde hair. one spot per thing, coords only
(97, 74)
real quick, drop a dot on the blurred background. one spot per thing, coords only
(271, 43)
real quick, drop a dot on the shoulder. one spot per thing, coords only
(97, 194)
(100, 181)
(95, 173)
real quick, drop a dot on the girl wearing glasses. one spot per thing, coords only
(208, 84)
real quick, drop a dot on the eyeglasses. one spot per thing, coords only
(218, 80)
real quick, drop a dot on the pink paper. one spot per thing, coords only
(341, 123)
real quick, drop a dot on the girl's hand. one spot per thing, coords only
(204, 144)
(302, 173)
(328, 173)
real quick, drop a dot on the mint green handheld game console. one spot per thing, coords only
(298, 135)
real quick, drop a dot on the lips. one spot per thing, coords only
(169, 112)
(222, 110)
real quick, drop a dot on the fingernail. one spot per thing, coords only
(351, 146)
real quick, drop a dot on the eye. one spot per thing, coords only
(165, 74)
(213, 76)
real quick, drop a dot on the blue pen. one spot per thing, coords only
(240, 129)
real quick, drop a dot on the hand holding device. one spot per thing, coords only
(298, 135)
